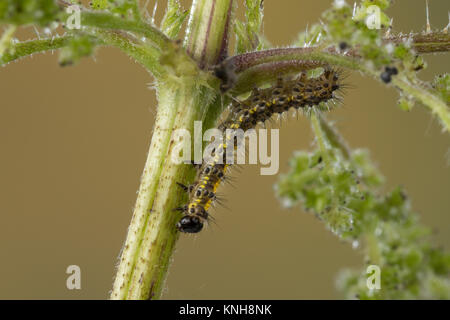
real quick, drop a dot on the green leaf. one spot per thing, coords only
(242, 41)
(23, 12)
(173, 19)
(121, 7)
(405, 104)
(247, 35)
(99, 4)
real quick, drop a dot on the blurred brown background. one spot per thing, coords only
(74, 141)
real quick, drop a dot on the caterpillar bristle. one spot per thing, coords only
(302, 93)
(237, 167)
(220, 203)
(182, 186)
(229, 180)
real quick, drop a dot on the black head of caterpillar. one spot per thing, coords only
(300, 92)
(190, 224)
(201, 195)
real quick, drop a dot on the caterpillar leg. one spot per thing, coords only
(185, 188)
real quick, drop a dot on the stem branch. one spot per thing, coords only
(255, 68)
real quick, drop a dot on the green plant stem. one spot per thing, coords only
(320, 136)
(182, 98)
(167, 110)
(27, 48)
(372, 248)
(152, 233)
(109, 21)
(324, 147)
(104, 20)
(333, 137)
(208, 42)
(147, 56)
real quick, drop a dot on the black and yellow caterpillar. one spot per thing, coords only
(300, 92)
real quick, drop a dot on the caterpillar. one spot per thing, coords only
(299, 93)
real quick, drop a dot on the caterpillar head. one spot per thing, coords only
(190, 224)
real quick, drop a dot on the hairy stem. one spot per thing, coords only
(424, 42)
(104, 20)
(333, 137)
(147, 56)
(152, 234)
(167, 110)
(182, 98)
(27, 48)
(320, 136)
(208, 39)
(109, 21)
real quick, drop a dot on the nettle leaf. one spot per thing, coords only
(23, 12)
(344, 193)
(351, 28)
(442, 86)
(242, 41)
(329, 190)
(247, 35)
(312, 36)
(254, 14)
(121, 7)
(382, 4)
(99, 4)
(173, 19)
(78, 47)
(405, 103)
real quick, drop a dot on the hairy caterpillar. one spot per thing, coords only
(297, 93)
